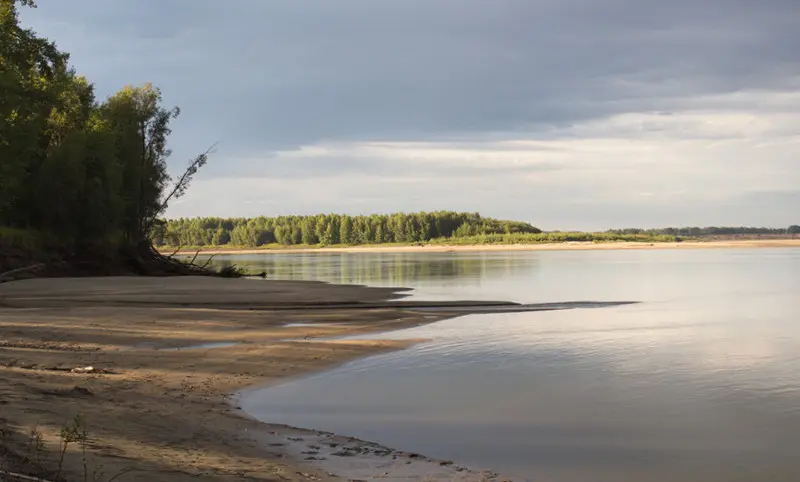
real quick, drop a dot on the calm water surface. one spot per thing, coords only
(699, 382)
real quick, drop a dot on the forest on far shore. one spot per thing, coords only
(405, 228)
(331, 229)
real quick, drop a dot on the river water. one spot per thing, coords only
(700, 382)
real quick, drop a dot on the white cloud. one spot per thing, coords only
(704, 154)
(692, 162)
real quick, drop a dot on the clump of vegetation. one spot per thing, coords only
(38, 464)
(441, 227)
(331, 229)
(79, 175)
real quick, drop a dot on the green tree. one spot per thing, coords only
(283, 235)
(346, 230)
(308, 229)
(140, 126)
(41, 102)
(221, 236)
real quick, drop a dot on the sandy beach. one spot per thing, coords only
(167, 356)
(443, 248)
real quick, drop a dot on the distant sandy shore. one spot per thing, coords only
(167, 354)
(441, 248)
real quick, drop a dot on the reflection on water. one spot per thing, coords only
(700, 382)
(383, 269)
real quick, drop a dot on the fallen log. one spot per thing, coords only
(8, 275)
(15, 476)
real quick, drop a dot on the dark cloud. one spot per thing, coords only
(286, 73)
(268, 77)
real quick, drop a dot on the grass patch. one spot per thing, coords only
(38, 463)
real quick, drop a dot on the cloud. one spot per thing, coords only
(579, 100)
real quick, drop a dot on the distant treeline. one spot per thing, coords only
(709, 231)
(557, 237)
(331, 229)
(433, 228)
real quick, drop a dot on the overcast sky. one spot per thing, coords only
(570, 114)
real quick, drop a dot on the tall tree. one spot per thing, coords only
(346, 230)
(33, 77)
(141, 126)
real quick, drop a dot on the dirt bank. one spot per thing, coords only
(156, 412)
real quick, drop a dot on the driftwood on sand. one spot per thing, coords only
(21, 477)
(10, 275)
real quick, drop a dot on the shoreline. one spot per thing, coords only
(358, 459)
(352, 458)
(158, 399)
(447, 248)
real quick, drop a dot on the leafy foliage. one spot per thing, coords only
(330, 229)
(75, 169)
(442, 227)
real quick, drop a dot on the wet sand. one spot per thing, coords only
(444, 248)
(167, 355)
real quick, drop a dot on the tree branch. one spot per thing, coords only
(34, 267)
(195, 256)
(175, 252)
(208, 261)
(22, 476)
(180, 187)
